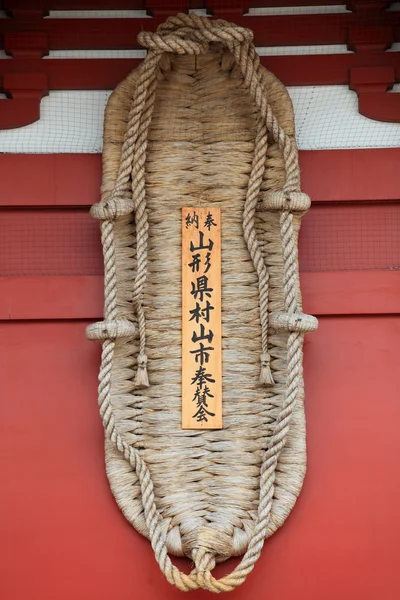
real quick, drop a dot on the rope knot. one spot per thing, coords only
(227, 34)
(190, 34)
(172, 42)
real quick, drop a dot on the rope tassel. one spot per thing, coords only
(266, 377)
(142, 378)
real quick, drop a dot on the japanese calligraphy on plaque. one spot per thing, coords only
(201, 319)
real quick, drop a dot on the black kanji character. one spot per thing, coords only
(200, 396)
(201, 245)
(202, 354)
(201, 377)
(201, 288)
(202, 414)
(209, 222)
(194, 265)
(200, 312)
(203, 335)
(192, 220)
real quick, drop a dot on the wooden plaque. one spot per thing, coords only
(201, 319)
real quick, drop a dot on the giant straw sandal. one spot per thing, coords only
(200, 122)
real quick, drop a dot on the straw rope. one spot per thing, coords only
(192, 35)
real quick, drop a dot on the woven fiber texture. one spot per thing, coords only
(201, 123)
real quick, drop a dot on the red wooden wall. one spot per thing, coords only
(62, 535)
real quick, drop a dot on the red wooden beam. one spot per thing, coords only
(47, 5)
(327, 176)
(281, 30)
(81, 297)
(19, 6)
(293, 70)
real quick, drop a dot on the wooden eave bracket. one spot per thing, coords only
(373, 38)
(25, 9)
(371, 85)
(24, 90)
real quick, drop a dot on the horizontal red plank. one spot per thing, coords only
(106, 73)
(74, 179)
(276, 30)
(81, 297)
(352, 175)
(78, 297)
(50, 179)
(66, 242)
(351, 292)
(45, 242)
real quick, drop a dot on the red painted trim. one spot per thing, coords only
(275, 30)
(327, 176)
(81, 297)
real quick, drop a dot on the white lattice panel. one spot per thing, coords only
(327, 117)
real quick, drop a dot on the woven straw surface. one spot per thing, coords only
(200, 150)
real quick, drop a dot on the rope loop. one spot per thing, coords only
(112, 208)
(296, 202)
(169, 42)
(293, 323)
(110, 330)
